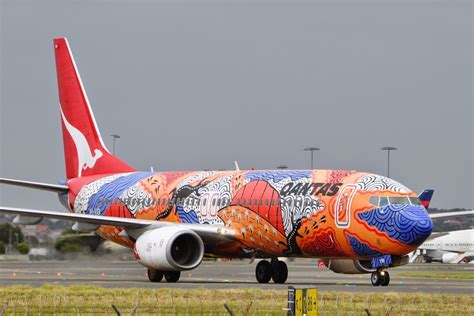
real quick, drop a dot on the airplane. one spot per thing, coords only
(451, 247)
(357, 222)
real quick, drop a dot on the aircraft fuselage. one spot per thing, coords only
(299, 213)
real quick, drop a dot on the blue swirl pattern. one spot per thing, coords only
(360, 248)
(109, 192)
(187, 217)
(277, 176)
(409, 224)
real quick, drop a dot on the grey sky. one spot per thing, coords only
(197, 85)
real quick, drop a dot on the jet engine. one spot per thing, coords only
(169, 248)
(348, 266)
(449, 257)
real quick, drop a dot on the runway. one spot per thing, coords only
(231, 274)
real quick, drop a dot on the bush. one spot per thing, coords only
(23, 248)
(68, 244)
(2, 248)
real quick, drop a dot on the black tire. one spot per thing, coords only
(154, 275)
(375, 278)
(172, 276)
(385, 278)
(263, 271)
(280, 272)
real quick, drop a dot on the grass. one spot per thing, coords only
(465, 276)
(89, 300)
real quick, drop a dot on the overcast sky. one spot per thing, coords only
(198, 84)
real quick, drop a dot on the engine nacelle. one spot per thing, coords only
(169, 249)
(348, 266)
(449, 257)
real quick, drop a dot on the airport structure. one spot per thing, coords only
(356, 222)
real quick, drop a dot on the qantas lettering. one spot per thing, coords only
(318, 188)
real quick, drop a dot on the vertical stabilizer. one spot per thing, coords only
(425, 197)
(84, 151)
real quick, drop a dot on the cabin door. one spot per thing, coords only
(342, 213)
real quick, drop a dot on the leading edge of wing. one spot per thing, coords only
(205, 231)
(448, 214)
(36, 185)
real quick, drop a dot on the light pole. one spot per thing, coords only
(114, 136)
(388, 149)
(312, 150)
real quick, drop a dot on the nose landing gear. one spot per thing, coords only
(276, 270)
(380, 277)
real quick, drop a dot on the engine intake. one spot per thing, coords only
(349, 266)
(169, 249)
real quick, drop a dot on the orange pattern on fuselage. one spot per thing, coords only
(303, 223)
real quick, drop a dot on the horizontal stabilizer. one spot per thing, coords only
(36, 185)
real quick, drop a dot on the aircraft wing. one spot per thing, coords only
(36, 185)
(448, 214)
(207, 232)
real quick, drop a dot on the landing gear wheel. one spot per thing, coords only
(154, 275)
(280, 272)
(385, 278)
(172, 276)
(263, 271)
(376, 278)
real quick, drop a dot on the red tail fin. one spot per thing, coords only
(84, 151)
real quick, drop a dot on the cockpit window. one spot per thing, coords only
(398, 200)
(374, 200)
(383, 201)
(415, 200)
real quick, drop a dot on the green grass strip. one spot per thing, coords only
(87, 300)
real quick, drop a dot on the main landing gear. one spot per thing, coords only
(380, 277)
(276, 270)
(157, 276)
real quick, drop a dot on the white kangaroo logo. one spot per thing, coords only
(84, 154)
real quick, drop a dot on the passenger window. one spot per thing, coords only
(383, 201)
(374, 200)
(266, 202)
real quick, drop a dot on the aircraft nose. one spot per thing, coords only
(415, 225)
(408, 224)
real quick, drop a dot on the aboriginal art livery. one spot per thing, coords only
(355, 222)
(308, 213)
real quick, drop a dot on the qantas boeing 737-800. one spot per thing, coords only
(356, 222)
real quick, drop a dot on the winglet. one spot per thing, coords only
(425, 197)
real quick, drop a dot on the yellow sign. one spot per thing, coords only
(306, 302)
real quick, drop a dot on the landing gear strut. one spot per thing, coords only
(157, 275)
(380, 277)
(276, 270)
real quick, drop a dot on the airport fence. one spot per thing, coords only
(60, 300)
